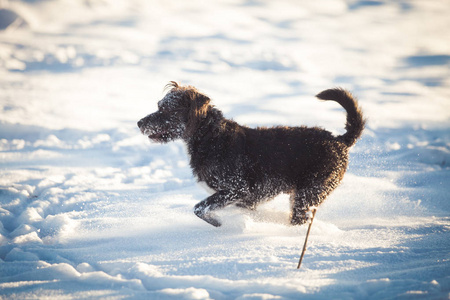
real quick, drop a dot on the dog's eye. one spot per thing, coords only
(161, 106)
(164, 108)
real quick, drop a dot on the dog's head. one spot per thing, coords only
(178, 112)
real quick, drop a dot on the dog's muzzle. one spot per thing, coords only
(154, 132)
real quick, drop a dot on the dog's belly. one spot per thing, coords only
(206, 187)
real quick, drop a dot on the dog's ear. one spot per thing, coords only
(199, 104)
(198, 109)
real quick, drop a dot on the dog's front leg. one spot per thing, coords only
(219, 200)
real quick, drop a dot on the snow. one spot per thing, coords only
(91, 209)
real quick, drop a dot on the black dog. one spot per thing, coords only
(245, 166)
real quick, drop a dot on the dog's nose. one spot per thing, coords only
(139, 123)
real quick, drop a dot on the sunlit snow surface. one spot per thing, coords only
(91, 209)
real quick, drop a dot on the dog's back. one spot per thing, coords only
(293, 153)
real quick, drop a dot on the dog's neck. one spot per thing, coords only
(208, 125)
(206, 129)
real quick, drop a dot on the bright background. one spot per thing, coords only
(91, 209)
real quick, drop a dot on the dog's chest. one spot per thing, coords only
(200, 182)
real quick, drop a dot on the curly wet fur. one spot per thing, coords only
(246, 166)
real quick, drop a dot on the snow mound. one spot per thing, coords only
(10, 20)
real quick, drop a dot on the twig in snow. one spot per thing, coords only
(306, 239)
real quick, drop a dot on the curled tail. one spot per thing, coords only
(355, 120)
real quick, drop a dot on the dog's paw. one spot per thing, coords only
(212, 221)
(298, 221)
(299, 218)
(207, 217)
(303, 216)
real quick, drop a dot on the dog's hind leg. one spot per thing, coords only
(302, 200)
(219, 200)
(299, 208)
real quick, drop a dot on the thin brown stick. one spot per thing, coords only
(306, 239)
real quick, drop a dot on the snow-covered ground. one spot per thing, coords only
(91, 209)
